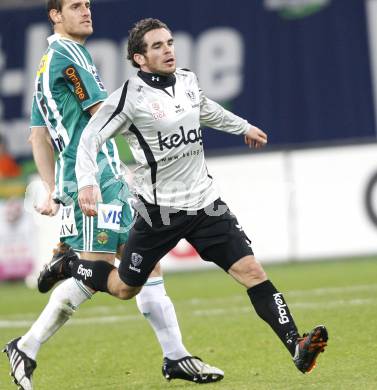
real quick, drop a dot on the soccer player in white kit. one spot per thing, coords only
(160, 112)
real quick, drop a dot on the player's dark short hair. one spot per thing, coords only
(136, 43)
(53, 4)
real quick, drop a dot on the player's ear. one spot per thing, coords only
(55, 16)
(139, 59)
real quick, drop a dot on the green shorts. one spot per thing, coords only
(103, 233)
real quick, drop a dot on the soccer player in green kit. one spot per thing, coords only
(68, 91)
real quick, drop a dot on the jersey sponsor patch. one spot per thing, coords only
(174, 140)
(42, 65)
(71, 74)
(157, 110)
(68, 226)
(109, 216)
(97, 78)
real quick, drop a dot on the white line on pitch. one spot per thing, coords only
(6, 324)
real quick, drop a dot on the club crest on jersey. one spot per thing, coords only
(191, 95)
(157, 110)
(102, 238)
(176, 139)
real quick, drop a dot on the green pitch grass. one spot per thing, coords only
(109, 346)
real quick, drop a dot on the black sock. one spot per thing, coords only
(271, 307)
(93, 274)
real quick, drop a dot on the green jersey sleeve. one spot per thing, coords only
(84, 85)
(36, 119)
(80, 74)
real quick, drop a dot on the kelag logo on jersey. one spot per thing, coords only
(176, 139)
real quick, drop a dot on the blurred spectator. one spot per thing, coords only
(17, 240)
(8, 165)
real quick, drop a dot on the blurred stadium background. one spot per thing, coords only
(303, 70)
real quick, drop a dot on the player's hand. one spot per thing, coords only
(48, 207)
(89, 197)
(255, 138)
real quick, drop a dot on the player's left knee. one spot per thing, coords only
(127, 292)
(248, 270)
(257, 271)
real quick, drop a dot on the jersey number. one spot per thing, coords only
(59, 142)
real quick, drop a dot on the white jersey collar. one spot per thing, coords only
(55, 37)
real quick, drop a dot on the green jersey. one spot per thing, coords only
(66, 86)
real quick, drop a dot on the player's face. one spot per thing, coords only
(159, 56)
(75, 20)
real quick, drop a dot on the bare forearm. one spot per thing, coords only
(45, 162)
(43, 153)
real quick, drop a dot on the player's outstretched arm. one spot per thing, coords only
(255, 138)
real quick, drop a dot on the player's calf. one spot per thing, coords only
(102, 276)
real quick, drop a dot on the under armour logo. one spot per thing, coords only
(154, 78)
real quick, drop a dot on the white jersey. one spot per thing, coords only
(161, 118)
